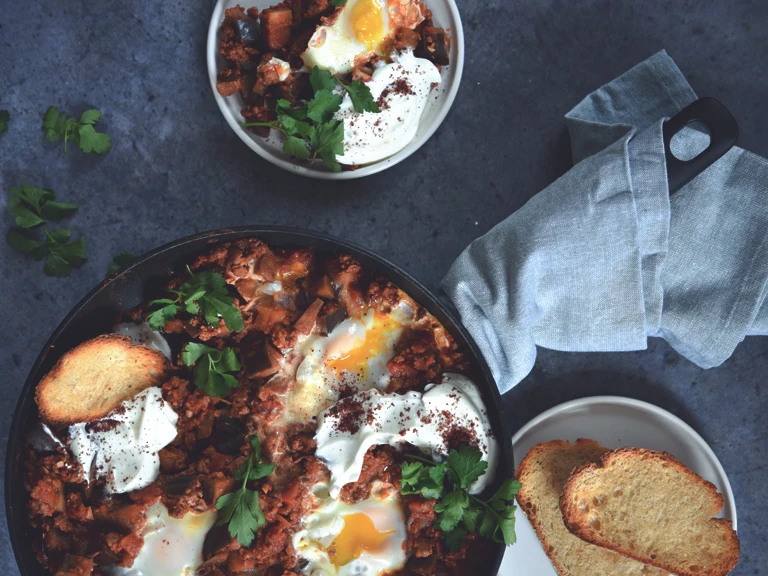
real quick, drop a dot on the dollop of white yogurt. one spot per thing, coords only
(401, 88)
(123, 447)
(427, 421)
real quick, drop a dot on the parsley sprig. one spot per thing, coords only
(241, 509)
(458, 511)
(339, 3)
(310, 129)
(204, 293)
(121, 261)
(212, 367)
(32, 208)
(81, 132)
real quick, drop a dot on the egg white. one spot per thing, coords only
(172, 546)
(322, 373)
(323, 526)
(335, 47)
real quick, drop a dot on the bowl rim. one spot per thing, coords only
(16, 511)
(457, 36)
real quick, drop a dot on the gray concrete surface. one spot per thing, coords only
(177, 168)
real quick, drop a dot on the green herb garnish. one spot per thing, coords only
(32, 208)
(310, 129)
(458, 511)
(5, 117)
(204, 293)
(120, 261)
(241, 509)
(212, 367)
(339, 3)
(82, 132)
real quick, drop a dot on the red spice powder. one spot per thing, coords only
(348, 414)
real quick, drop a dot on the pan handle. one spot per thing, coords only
(723, 133)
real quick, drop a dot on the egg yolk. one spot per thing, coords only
(358, 535)
(367, 22)
(374, 344)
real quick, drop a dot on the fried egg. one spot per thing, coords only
(363, 539)
(172, 546)
(353, 356)
(361, 28)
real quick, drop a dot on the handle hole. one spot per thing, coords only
(690, 141)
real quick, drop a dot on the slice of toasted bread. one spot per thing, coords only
(93, 379)
(647, 505)
(543, 473)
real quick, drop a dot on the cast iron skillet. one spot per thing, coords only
(96, 313)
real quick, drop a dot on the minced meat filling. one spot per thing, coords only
(283, 296)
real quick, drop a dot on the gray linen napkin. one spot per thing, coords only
(604, 258)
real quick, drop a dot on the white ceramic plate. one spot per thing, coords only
(445, 15)
(614, 422)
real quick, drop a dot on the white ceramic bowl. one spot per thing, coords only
(445, 15)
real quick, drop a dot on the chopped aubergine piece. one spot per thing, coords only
(276, 23)
(216, 541)
(322, 287)
(435, 45)
(334, 318)
(249, 31)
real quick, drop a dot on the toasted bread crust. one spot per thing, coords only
(543, 472)
(95, 377)
(577, 522)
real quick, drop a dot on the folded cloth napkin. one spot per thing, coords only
(604, 257)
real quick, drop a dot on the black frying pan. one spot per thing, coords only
(96, 313)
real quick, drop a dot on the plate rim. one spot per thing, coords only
(641, 405)
(368, 170)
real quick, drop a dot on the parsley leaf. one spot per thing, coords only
(204, 293)
(424, 480)
(166, 313)
(328, 141)
(94, 142)
(454, 538)
(339, 3)
(291, 126)
(321, 80)
(360, 94)
(120, 261)
(450, 509)
(57, 126)
(32, 207)
(467, 465)
(296, 147)
(458, 512)
(241, 509)
(212, 367)
(5, 117)
(21, 241)
(323, 106)
(64, 255)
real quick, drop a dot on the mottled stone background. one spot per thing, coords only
(177, 168)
